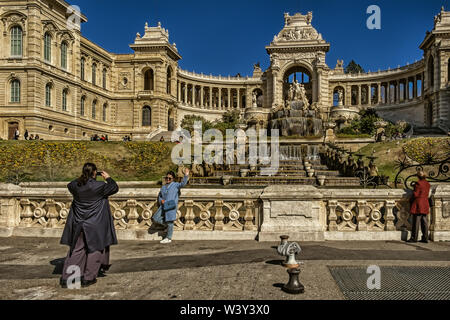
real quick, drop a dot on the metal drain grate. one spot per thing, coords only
(397, 283)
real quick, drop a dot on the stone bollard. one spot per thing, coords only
(289, 250)
(294, 285)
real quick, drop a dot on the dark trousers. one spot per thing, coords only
(419, 221)
(89, 263)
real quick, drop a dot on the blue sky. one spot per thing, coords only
(228, 37)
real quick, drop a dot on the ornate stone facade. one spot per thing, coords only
(61, 86)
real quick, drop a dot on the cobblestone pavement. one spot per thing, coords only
(200, 270)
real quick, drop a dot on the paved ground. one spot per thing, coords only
(220, 270)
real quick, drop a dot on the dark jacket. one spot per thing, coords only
(90, 213)
(421, 204)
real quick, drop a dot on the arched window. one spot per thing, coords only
(146, 116)
(15, 91)
(169, 80)
(64, 55)
(105, 109)
(83, 66)
(431, 73)
(47, 47)
(64, 100)
(94, 74)
(16, 41)
(104, 78)
(148, 80)
(48, 95)
(82, 105)
(94, 106)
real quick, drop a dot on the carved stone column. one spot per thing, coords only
(229, 98)
(194, 93)
(201, 96)
(179, 92)
(185, 93)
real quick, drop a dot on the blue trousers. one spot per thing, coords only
(159, 218)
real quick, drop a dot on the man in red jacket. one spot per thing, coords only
(420, 208)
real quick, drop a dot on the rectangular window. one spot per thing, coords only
(64, 55)
(48, 96)
(48, 48)
(16, 42)
(64, 101)
(82, 69)
(82, 106)
(15, 91)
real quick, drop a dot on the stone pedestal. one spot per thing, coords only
(440, 228)
(286, 213)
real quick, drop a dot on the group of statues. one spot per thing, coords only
(335, 160)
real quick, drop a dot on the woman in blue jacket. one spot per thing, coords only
(168, 203)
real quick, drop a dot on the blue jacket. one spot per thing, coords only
(171, 192)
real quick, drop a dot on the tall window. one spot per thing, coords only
(64, 55)
(64, 100)
(148, 80)
(94, 74)
(146, 116)
(105, 109)
(83, 102)
(169, 81)
(48, 47)
(83, 63)
(94, 106)
(48, 95)
(16, 41)
(104, 78)
(15, 91)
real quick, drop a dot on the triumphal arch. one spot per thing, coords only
(59, 85)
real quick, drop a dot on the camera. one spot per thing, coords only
(99, 173)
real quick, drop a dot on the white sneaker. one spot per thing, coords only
(165, 241)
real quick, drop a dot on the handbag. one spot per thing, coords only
(169, 205)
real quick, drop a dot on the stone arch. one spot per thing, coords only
(149, 79)
(259, 97)
(169, 80)
(292, 74)
(14, 18)
(336, 100)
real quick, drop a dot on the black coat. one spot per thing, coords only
(90, 213)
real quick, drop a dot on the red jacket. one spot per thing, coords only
(421, 204)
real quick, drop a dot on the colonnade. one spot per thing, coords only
(211, 97)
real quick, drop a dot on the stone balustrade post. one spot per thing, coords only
(389, 216)
(219, 216)
(190, 216)
(25, 213)
(249, 215)
(362, 218)
(52, 213)
(133, 215)
(332, 216)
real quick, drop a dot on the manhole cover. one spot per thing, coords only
(397, 283)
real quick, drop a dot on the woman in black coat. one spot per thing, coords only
(89, 230)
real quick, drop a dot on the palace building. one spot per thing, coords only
(61, 86)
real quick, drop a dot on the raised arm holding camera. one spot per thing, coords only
(89, 229)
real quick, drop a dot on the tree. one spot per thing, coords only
(189, 121)
(354, 68)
